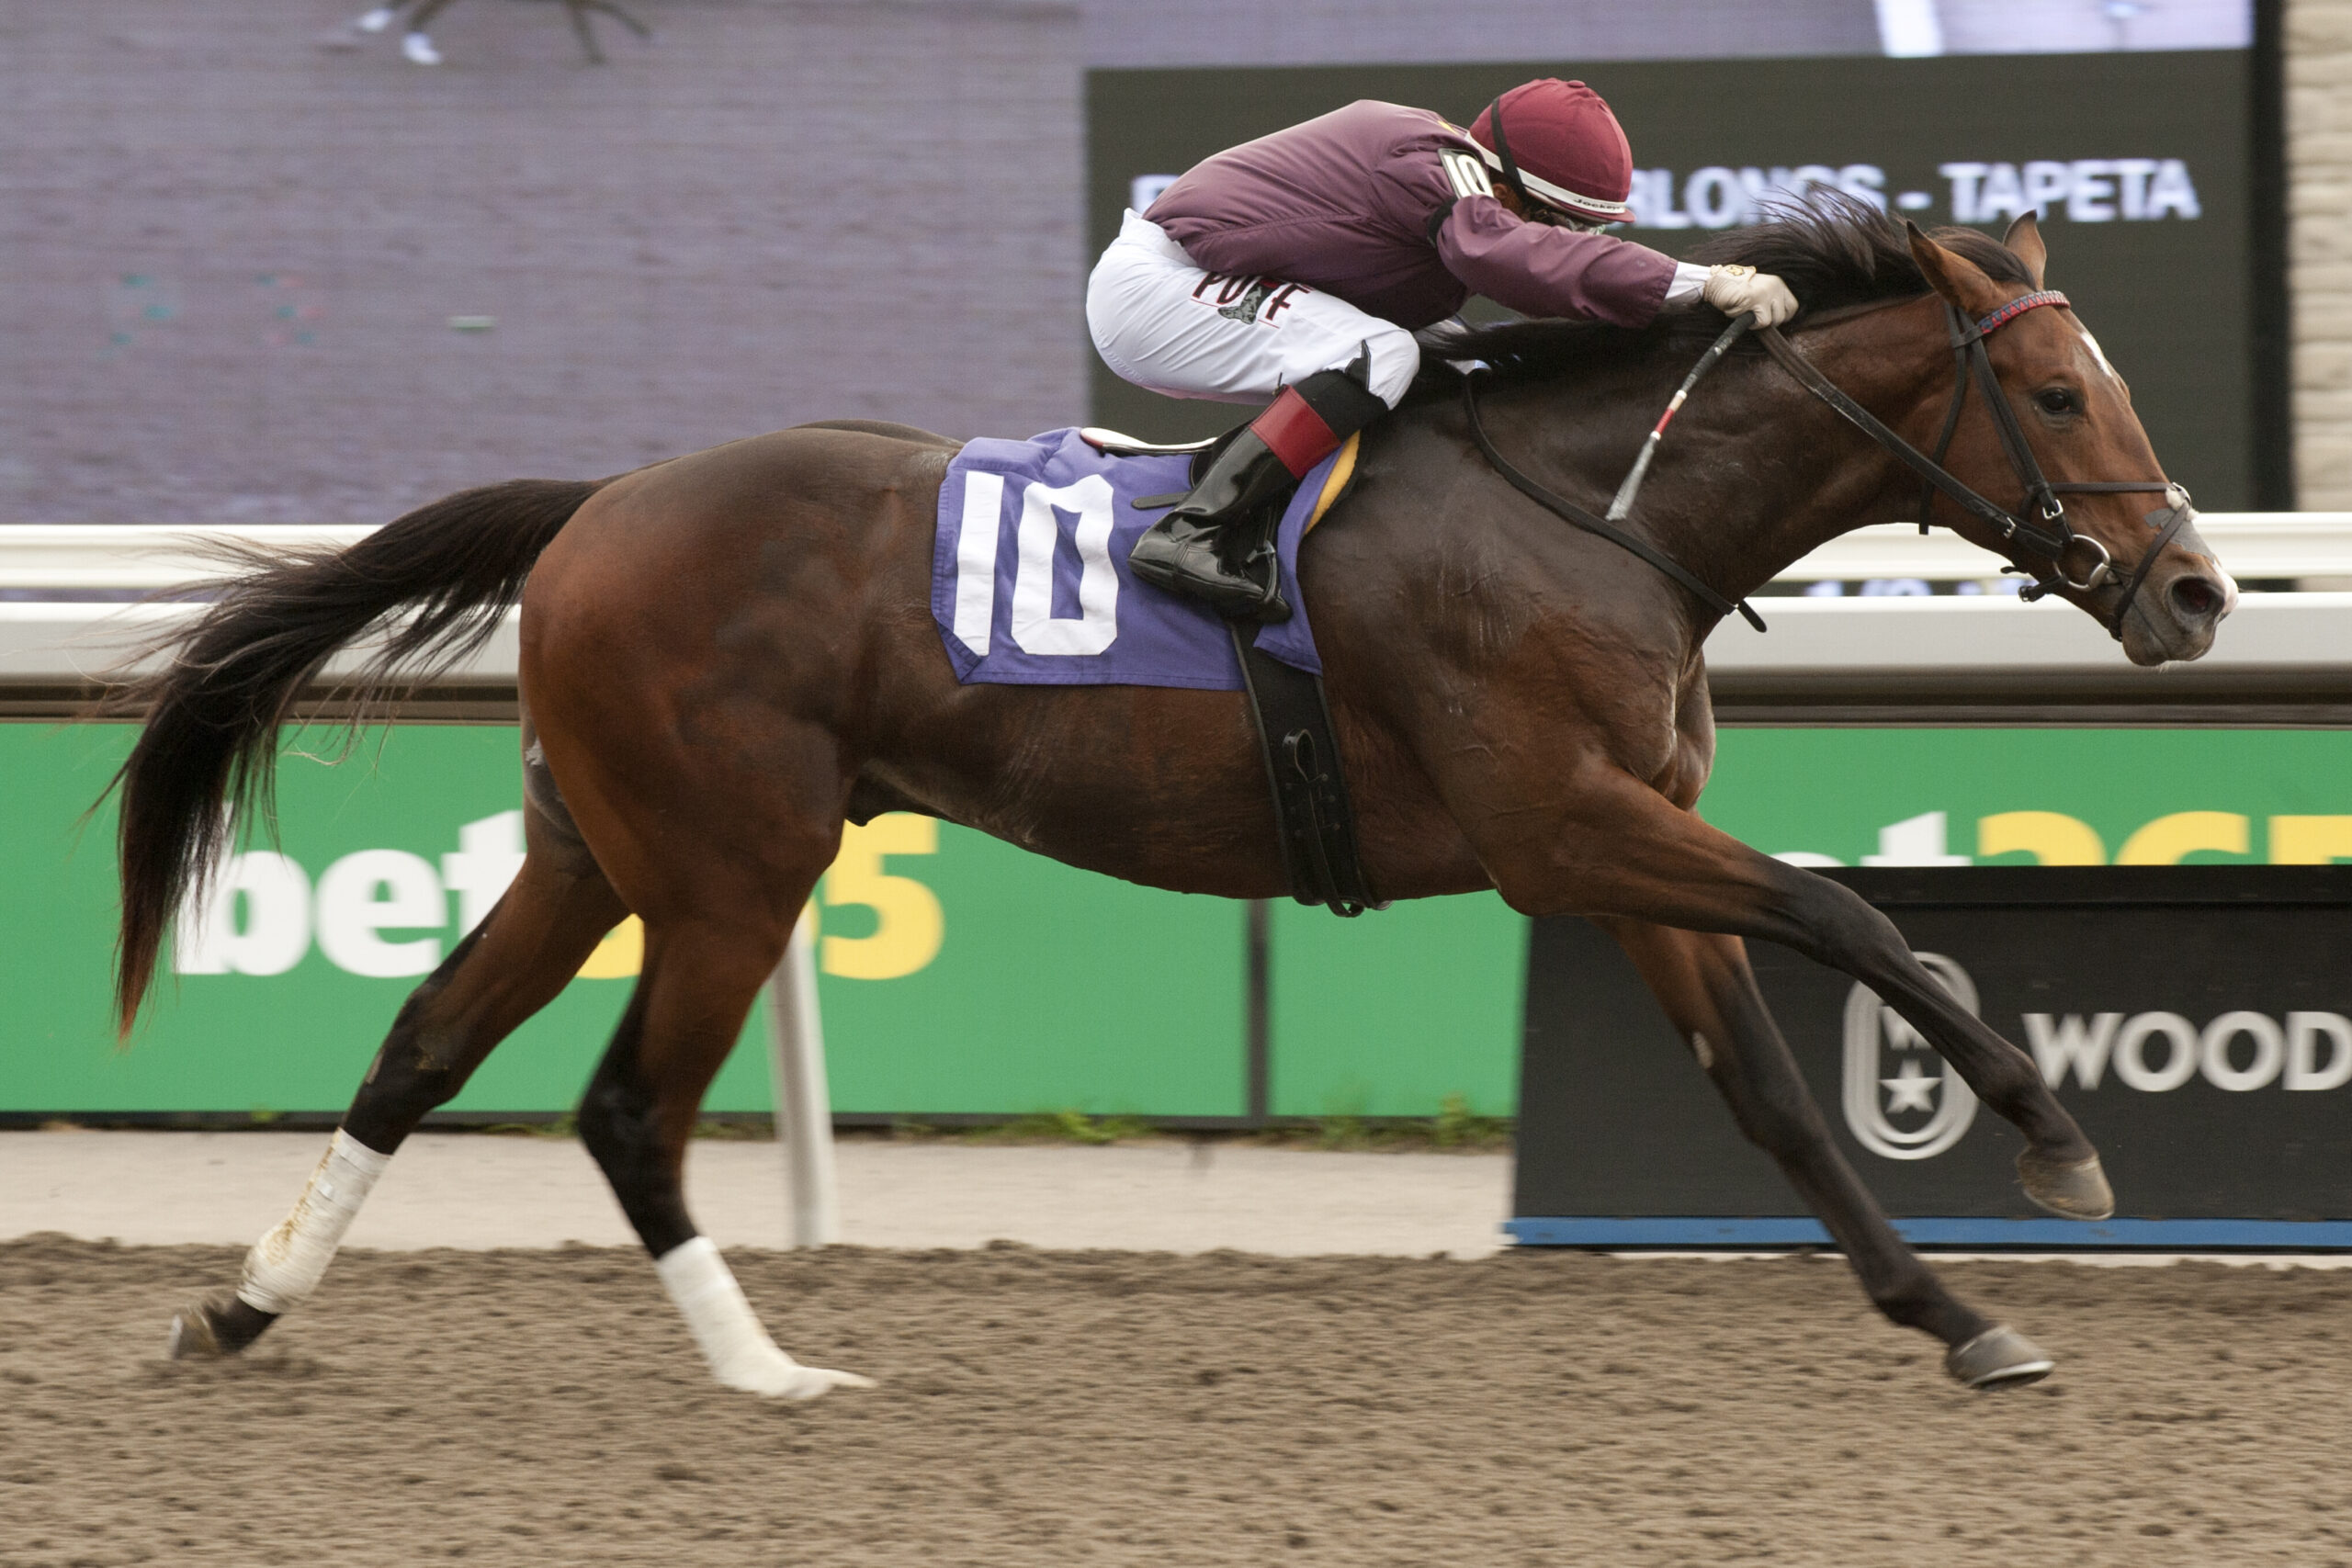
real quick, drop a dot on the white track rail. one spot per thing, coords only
(52, 557)
(2283, 657)
(2255, 545)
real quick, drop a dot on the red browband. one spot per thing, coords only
(2018, 307)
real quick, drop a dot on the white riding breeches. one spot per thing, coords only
(1164, 322)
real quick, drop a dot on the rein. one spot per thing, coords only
(2047, 534)
(1561, 506)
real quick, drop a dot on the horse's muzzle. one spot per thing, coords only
(2176, 617)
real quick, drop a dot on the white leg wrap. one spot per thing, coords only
(285, 1265)
(739, 1352)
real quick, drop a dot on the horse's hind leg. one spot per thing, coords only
(1708, 990)
(524, 952)
(702, 974)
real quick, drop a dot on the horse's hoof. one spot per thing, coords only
(2076, 1191)
(194, 1336)
(768, 1372)
(1998, 1358)
(797, 1384)
(823, 1380)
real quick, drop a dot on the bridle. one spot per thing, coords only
(2043, 530)
(2040, 527)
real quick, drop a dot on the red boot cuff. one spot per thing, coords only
(1294, 433)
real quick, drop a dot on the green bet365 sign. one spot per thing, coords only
(962, 974)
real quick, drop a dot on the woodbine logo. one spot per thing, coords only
(1902, 1101)
(1921, 1082)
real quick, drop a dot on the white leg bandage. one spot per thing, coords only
(285, 1265)
(739, 1352)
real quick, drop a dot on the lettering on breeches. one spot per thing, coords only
(1246, 297)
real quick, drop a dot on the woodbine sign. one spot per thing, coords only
(2197, 1022)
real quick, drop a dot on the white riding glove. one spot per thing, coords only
(1733, 289)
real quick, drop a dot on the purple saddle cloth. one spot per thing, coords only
(1029, 573)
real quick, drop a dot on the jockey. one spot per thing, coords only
(1298, 267)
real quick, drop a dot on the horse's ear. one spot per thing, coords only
(1957, 279)
(2025, 238)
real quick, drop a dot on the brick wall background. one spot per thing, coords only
(2319, 267)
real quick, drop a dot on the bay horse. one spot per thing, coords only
(726, 656)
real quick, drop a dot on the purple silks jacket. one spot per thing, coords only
(1343, 203)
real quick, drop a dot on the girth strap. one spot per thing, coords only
(1313, 814)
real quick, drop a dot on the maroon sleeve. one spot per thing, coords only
(1543, 271)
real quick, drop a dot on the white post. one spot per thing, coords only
(804, 1110)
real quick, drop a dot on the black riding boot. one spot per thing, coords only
(1218, 543)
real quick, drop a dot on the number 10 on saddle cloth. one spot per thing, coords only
(1029, 570)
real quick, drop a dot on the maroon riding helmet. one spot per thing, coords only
(1556, 145)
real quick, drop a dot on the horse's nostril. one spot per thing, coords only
(2196, 598)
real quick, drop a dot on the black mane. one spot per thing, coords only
(1832, 250)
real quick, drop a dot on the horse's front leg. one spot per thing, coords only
(1614, 846)
(1703, 982)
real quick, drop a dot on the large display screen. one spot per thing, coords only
(2144, 167)
(261, 267)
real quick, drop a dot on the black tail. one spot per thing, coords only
(211, 714)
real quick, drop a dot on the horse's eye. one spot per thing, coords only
(2056, 400)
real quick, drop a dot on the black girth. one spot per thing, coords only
(1313, 814)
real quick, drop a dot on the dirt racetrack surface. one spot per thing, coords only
(547, 1407)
